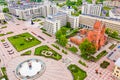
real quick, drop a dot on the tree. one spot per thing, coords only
(68, 24)
(114, 34)
(58, 34)
(87, 49)
(63, 40)
(18, 2)
(108, 31)
(5, 10)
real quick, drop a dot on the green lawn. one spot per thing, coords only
(26, 53)
(78, 74)
(82, 63)
(73, 49)
(55, 55)
(106, 8)
(57, 47)
(112, 46)
(101, 54)
(3, 69)
(23, 41)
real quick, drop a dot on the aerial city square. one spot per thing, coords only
(59, 39)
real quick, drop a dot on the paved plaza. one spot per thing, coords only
(55, 70)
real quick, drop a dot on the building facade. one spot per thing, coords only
(31, 10)
(88, 22)
(53, 22)
(95, 36)
(115, 13)
(116, 71)
(74, 21)
(111, 3)
(51, 25)
(92, 9)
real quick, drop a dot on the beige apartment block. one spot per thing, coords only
(88, 21)
(116, 71)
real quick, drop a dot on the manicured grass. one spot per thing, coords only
(9, 32)
(65, 52)
(3, 27)
(6, 33)
(57, 47)
(3, 69)
(36, 20)
(112, 46)
(55, 55)
(46, 33)
(106, 8)
(100, 55)
(2, 40)
(41, 23)
(26, 53)
(73, 49)
(23, 41)
(72, 33)
(78, 74)
(104, 64)
(82, 63)
(43, 29)
(2, 35)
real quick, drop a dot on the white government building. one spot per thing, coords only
(115, 13)
(30, 10)
(54, 22)
(111, 3)
(92, 9)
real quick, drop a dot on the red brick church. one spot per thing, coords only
(96, 36)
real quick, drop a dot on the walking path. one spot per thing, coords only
(56, 70)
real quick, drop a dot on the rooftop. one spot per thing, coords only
(24, 5)
(51, 17)
(117, 63)
(116, 11)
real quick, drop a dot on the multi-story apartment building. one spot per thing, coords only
(92, 9)
(66, 10)
(51, 25)
(88, 22)
(115, 13)
(60, 19)
(111, 3)
(31, 10)
(116, 71)
(54, 22)
(74, 21)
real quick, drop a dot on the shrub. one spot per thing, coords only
(104, 65)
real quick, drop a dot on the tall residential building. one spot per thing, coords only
(92, 9)
(116, 71)
(74, 21)
(111, 3)
(62, 17)
(31, 10)
(53, 23)
(88, 22)
(66, 10)
(115, 13)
